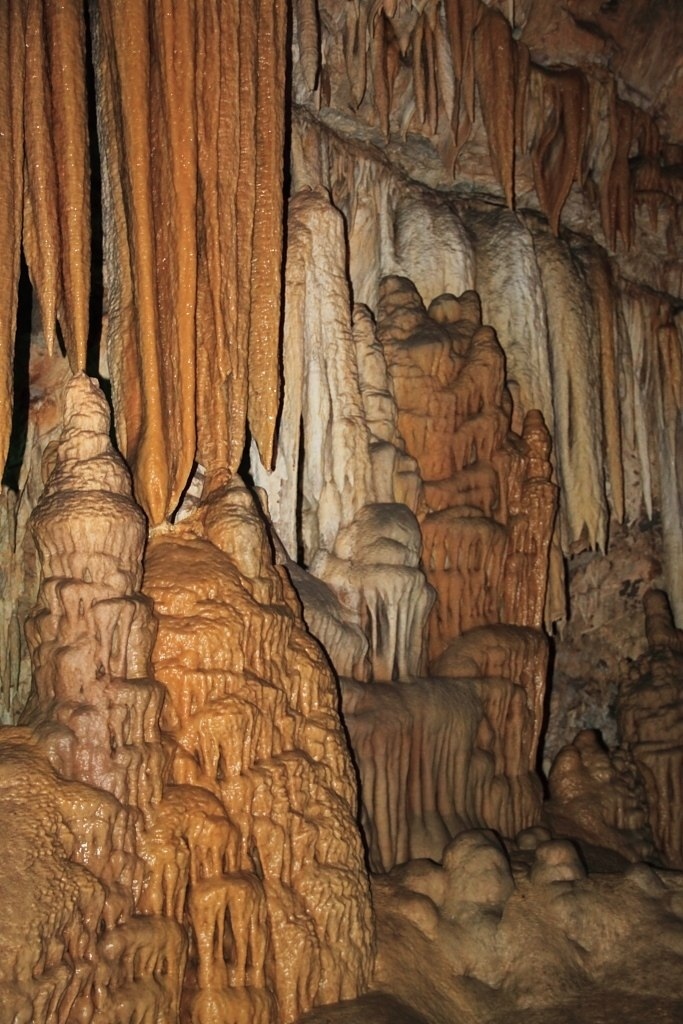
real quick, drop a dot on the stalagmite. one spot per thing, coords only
(374, 569)
(91, 632)
(670, 414)
(250, 712)
(598, 798)
(650, 713)
(482, 523)
(254, 827)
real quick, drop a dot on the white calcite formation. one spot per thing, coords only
(528, 934)
(423, 523)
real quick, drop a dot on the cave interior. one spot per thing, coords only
(341, 519)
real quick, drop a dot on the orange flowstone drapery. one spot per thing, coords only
(44, 178)
(191, 121)
(191, 113)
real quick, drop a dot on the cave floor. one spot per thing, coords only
(598, 1007)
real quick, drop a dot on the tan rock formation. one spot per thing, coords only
(489, 500)
(375, 569)
(598, 798)
(650, 716)
(19, 569)
(250, 715)
(91, 633)
(437, 757)
(451, 936)
(93, 718)
(234, 842)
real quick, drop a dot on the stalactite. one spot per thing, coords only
(218, 435)
(41, 236)
(425, 70)
(431, 245)
(647, 180)
(65, 40)
(308, 38)
(322, 394)
(559, 139)
(442, 755)
(138, 362)
(522, 76)
(462, 17)
(508, 281)
(575, 369)
(380, 77)
(432, 105)
(446, 88)
(419, 84)
(392, 58)
(636, 325)
(240, 191)
(609, 385)
(11, 179)
(266, 259)
(618, 201)
(191, 312)
(355, 51)
(495, 70)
